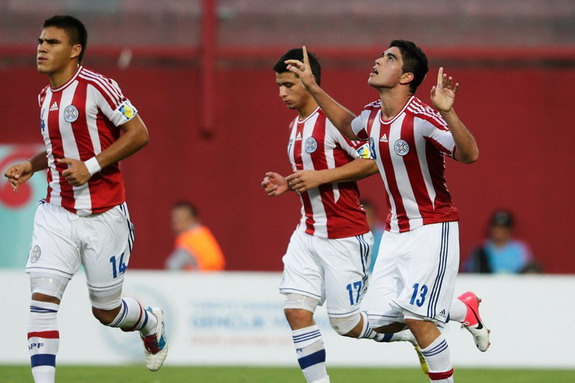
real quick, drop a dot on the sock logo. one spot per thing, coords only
(34, 345)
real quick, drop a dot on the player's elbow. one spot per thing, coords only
(470, 158)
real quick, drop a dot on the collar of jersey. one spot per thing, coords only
(308, 117)
(69, 81)
(390, 121)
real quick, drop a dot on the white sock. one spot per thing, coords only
(310, 353)
(133, 317)
(43, 340)
(458, 311)
(439, 361)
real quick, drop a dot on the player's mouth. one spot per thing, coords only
(374, 72)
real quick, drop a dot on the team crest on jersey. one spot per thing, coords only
(35, 254)
(71, 113)
(401, 147)
(310, 145)
(127, 110)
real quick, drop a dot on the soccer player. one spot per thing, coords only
(328, 255)
(88, 126)
(415, 271)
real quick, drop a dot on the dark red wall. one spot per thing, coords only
(521, 118)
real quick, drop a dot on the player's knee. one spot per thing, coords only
(345, 325)
(299, 310)
(105, 316)
(106, 304)
(48, 288)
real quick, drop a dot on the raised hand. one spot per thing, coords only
(443, 94)
(77, 174)
(302, 69)
(274, 184)
(18, 174)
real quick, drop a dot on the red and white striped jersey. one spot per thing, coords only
(79, 120)
(332, 210)
(410, 152)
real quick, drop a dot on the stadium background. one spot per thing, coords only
(200, 74)
(203, 84)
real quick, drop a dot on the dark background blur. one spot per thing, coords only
(200, 74)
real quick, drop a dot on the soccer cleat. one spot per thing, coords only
(422, 362)
(156, 346)
(407, 336)
(473, 322)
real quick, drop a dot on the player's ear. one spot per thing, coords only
(406, 78)
(76, 50)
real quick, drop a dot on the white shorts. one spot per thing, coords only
(332, 270)
(414, 275)
(63, 241)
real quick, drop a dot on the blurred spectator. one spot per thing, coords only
(500, 252)
(376, 226)
(195, 247)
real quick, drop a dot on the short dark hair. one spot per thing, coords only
(187, 205)
(74, 28)
(297, 54)
(502, 217)
(414, 61)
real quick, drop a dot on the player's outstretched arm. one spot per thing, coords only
(337, 114)
(134, 137)
(358, 169)
(275, 184)
(443, 98)
(19, 173)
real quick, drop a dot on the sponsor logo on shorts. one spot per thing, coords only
(401, 147)
(310, 145)
(35, 254)
(71, 113)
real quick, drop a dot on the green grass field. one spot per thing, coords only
(139, 374)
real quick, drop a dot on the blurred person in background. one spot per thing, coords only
(414, 276)
(500, 252)
(88, 126)
(376, 226)
(196, 248)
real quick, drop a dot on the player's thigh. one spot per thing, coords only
(430, 271)
(385, 283)
(346, 264)
(302, 274)
(54, 248)
(107, 246)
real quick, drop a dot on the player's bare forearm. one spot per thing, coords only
(135, 136)
(339, 116)
(357, 169)
(39, 161)
(466, 149)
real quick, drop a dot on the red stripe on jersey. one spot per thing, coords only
(444, 210)
(44, 334)
(319, 161)
(440, 375)
(305, 199)
(66, 190)
(384, 152)
(414, 171)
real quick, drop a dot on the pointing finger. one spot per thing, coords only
(440, 77)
